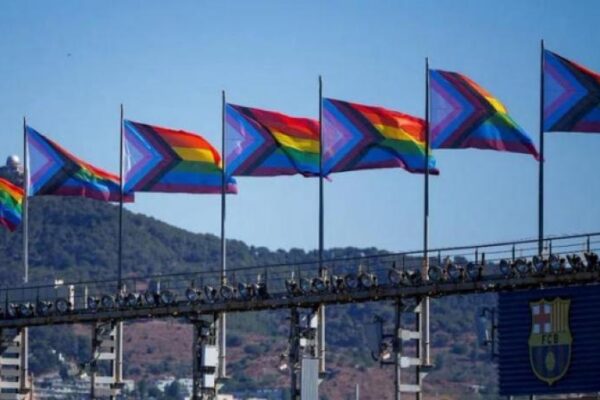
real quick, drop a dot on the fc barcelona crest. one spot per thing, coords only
(550, 339)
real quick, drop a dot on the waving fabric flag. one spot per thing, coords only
(359, 137)
(465, 115)
(571, 96)
(54, 171)
(11, 205)
(174, 161)
(265, 143)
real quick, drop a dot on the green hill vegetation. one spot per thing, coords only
(76, 239)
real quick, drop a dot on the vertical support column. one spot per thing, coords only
(25, 378)
(398, 350)
(421, 320)
(206, 360)
(304, 355)
(294, 355)
(14, 381)
(107, 356)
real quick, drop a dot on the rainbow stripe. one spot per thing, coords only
(11, 204)
(357, 136)
(54, 171)
(465, 115)
(571, 96)
(172, 161)
(266, 143)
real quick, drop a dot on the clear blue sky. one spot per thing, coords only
(67, 65)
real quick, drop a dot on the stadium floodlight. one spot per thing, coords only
(62, 305)
(92, 303)
(210, 294)
(12, 310)
(521, 267)
(151, 298)
(351, 281)
(43, 308)
(435, 274)
(291, 286)
(413, 277)
(575, 262)
(338, 284)
(120, 299)
(26, 310)
(227, 292)
(261, 290)
(395, 276)
(474, 271)
(305, 285)
(132, 300)
(591, 260)
(107, 301)
(167, 297)
(244, 291)
(539, 265)
(192, 295)
(505, 268)
(555, 264)
(367, 280)
(385, 352)
(283, 364)
(454, 272)
(319, 285)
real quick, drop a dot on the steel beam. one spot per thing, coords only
(310, 300)
(107, 354)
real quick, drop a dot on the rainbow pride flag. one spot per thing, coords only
(357, 136)
(173, 161)
(465, 115)
(11, 204)
(54, 171)
(266, 143)
(571, 96)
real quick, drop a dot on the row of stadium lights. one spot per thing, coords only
(451, 272)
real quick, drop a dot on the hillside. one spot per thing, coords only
(77, 239)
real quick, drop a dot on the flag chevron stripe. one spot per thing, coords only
(477, 116)
(367, 136)
(571, 100)
(357, 137)
(465, 115)
(166, 160)
(52, 170)
(277, 144)
(162, 157)
(267, 143)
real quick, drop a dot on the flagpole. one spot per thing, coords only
(120, 287)
(25, 206)
(222, 325)
(541, 162)
(321, 310)
(425, 270)
(121, 194)
(25, 335)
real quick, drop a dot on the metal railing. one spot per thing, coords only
(361, 278)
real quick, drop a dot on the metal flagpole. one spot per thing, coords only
(321, 311)
(25, 205)
(541, 162)
(222, 325)
(121, 152)
(425, 327)
(423, 350)
(119, 326)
